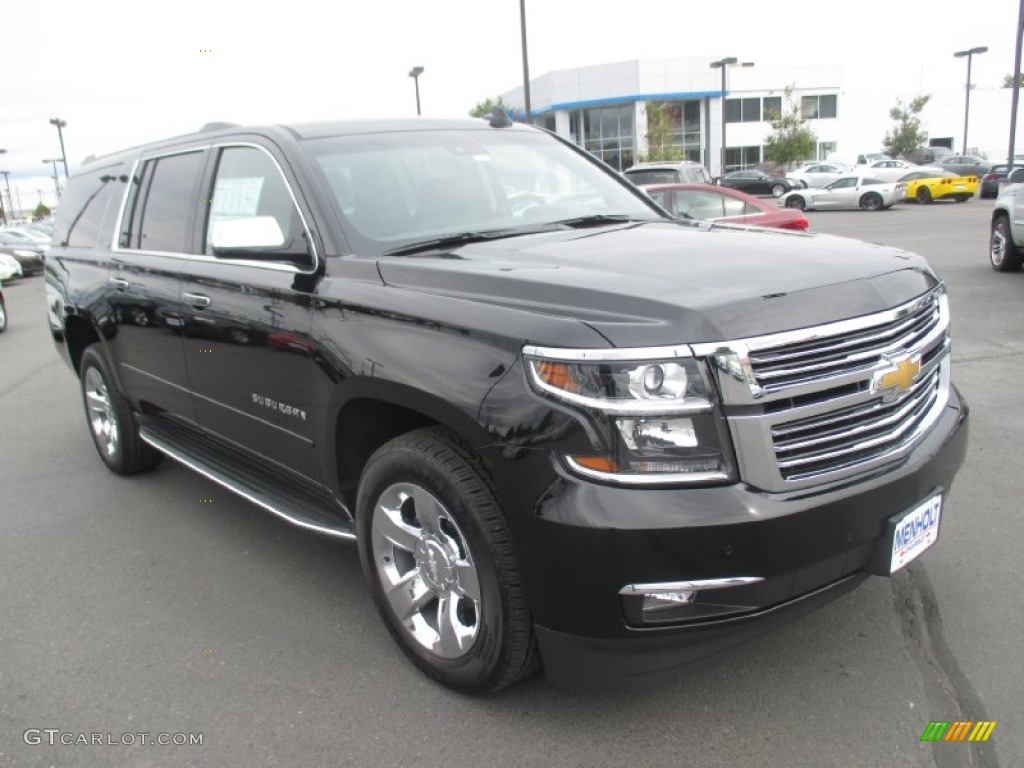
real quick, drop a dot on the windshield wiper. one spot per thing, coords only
(462, 238)
(600, 220)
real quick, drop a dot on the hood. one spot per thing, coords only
(667, 283)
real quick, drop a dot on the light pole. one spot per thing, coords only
(60, 134)
(967, 99)
(722, 64)
(10, 200)
(56, 178)
(415, 73)
(526, 61)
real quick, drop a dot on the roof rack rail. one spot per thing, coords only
(217, 126)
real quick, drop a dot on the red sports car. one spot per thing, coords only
(714, 203)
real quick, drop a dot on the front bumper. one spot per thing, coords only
(588, 541)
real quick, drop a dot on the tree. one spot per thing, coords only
(1008, 80)
(660, 134)
(41, 212)
(792, 138)
(485, 107)
(906, 135)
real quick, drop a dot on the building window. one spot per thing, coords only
(772, 107)
(825, 148)
(683, 128)
(738, 158)
(546, 121)
(607, 134)
(814, 107)
(743, 110)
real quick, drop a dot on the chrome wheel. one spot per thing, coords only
(3, 316)
(998, 252)
(102, 420)
(426, 570)
(778, 190)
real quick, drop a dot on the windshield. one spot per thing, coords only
(400, 188)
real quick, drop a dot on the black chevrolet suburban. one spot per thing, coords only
(562, 428)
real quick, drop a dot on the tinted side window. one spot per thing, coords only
(83, 205)
(170, 203)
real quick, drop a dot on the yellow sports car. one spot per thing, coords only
(927, 186)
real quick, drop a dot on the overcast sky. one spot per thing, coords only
(121, 74)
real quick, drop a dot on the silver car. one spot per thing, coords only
(818, 174)
(862, 192)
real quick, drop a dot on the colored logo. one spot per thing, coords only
(898, 378)
(958, 730)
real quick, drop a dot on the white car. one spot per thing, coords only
(865, 192)
(892, 170)
(9, 268)
(818, 174)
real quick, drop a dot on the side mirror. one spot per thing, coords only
(1016, 176)
(245, 234)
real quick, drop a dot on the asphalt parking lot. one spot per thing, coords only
(164, 604)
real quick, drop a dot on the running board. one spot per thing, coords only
(300, 503)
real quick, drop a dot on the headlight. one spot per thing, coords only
(656, 407)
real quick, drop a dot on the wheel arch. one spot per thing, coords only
(79, 334)
(370, 412)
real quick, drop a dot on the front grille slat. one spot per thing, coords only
(833, 356)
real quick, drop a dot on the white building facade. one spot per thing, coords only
(602, 108)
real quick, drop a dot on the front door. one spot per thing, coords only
(248, 311)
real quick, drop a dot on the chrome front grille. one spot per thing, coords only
(836, 440)
(823, 404)
(859, 350)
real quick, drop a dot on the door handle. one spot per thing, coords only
(196, 300)
(120, 283)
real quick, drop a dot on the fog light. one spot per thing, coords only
(663, 600)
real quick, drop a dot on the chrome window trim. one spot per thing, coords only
(202, 257)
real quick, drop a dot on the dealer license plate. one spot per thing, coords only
(915, 532)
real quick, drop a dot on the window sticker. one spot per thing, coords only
(237, 198)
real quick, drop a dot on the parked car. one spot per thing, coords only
(682, 172)
(708, 202)
(758, 183)
(892, 170)
(1006, 243)
(585, 435)
(965, 165)
(928, 155)
(994, 179)
(3, 311)
(926, 186)
(818, 174)
(13, 238)
(863, 192)
(10, 269)
(30, 257)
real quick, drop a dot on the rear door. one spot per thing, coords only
(248, 300)
(154, 240)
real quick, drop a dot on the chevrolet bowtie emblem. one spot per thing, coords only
(898, 378)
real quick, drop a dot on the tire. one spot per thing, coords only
(796, 201)
(1002, 253)
(871, 202)
(778, 190)
(114, 429)
(3, 315)
(427, 520)
(924, 195)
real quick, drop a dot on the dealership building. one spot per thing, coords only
(603, 108)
